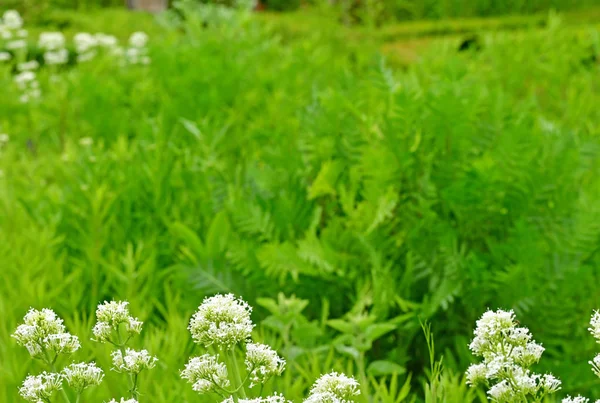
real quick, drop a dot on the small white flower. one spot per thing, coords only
(28, 66)
(12, 19)
(262, 363)
(112, 314)
(269, 399)
(107, 41)
(549, 383)
(221, 320)
(123, 400)
(51, 41)
(578, 399)
(83, 375)
(595, 326)
(39, 330)
(133, 361)
(205, 374)
(340, 385)
(86, 57)
(55, 57)
(502, 391)
(102, 330)
(324, 397)
(595, 363)
(138, 39)
(62, 343)
(16, 44)
(84, 42)
(5, 56)
(40, 388)
(476, 374)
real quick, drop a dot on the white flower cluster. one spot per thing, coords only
(269, 399)
(111, 315)
(88, 45)
(595, 362)
(53, 44)
(578, 399)
(137, 52)
(262, 362)
(132, 361)
(12, 35)
(223, 321)
(40, 388)
(507, 351)
(27, 82)
(43, 333)
(333, 388)
(205, 374)
(123, 400)
(83, 375)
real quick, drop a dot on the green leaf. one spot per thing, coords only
(341, 326)
(375, 331)
(380, 368)
(324, 183)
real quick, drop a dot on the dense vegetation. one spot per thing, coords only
(354, 10)
(249, 160)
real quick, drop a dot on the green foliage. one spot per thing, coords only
(244, 160)
(283, 5)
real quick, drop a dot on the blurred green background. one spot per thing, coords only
(388, 162)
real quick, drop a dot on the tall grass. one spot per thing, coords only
(244, 161)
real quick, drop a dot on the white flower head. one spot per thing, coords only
(138, 39)
(16, 44)
(107, 41)
(262, 363)
(56, 57)
(5, 56)
(595, 326)
(549, 383)
(111, 315)
(578, 399)
(83, 375)
(476, 374)
(339, 385)
(502, 392)
(28, 66)
(62, 343)
(12, 19)
(84, 42)
(123, 400)
(275, 398)
(205, 373)
(595, 363)
(221, 320)
(324, 397)
(508, 351)
(40, 388)
(44, 330)
(133, 361)
(51, 41)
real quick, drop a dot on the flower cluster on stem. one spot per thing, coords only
(508, 351)
(115, 325)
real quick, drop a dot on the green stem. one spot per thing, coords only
(132, 379)
(50, 363)
(364, 382)
(234, 375)
(78, 398)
